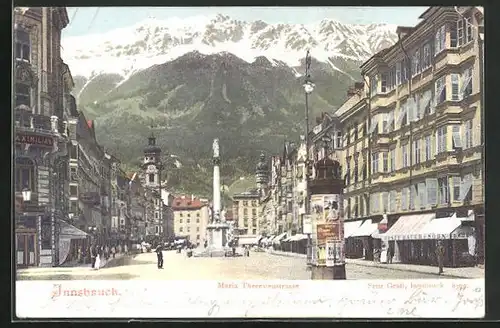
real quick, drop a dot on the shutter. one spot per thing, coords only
(466, 79)
(392, 201)
(403, 199)
(389, 119)
(465, 187)
(455, 91)
(377, 201)
(457, 140)
(422, 193)
(440, 84)
(424, 102)
(431, 191)
(411, 109)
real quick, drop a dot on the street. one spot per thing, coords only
(259, 265)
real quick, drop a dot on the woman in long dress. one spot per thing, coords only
(97, 261)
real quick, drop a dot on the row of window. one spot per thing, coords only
(188, 229)
(253, 203)
(254, 211)
(424, 149)
(189, 220)
(419, 196)
(421, 58)
(189, 215)
(254, 222)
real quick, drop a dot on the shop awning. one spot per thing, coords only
(408, 227)
(278, 238)
(462, 232)
(298, 237)
(258, 239)
(367, 228)
(350, 227)
(268, 239)
(247, 240)
(440, 228)
(70, 232)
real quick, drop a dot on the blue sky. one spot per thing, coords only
(90, 20)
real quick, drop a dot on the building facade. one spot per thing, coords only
(413, 136)
(41, 134)
(191, 217)
(246, 216)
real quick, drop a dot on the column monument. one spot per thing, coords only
(218, 228)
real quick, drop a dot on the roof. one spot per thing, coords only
(186, 203)
(247, 194)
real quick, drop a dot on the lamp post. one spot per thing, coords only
(26, 195)
(308, 88)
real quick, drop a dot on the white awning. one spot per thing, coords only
(70, 232)
(298, 237)
(408, 227)
(289, 238)
(366, 229)
(250, 240)
(440, 228)
(278, 238)
(268, 239)
(350, 227)
(258, 239)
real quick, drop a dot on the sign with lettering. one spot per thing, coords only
(307, 229)
(326, 232)
(34, 139)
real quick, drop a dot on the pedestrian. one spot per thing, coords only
(159, 256)
(120, 249)
(93, 254)
(113, 251)
(98, 261)
(440, 256)
(126, 249)
(390, 254)
(106, 252)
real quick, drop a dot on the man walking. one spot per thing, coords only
(440, 256)
(93, 254)
(390, 254)
(159, 256)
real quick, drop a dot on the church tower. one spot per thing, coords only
(152, 163)
(262, 175)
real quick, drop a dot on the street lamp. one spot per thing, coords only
(308, 88)
(26, 194)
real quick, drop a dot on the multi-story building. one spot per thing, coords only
(168, 213)
(41, 111)
(413, 138)
(190, 218)
(246, 216)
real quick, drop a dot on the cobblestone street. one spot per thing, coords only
(259, 265)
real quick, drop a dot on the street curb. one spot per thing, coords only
(406, 270)
(285, 254)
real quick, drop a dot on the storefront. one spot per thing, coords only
(414, 239)
(27, 241)
(296, 244)
(363, 235)
(72, 243)
(277, 241)
(353, 246)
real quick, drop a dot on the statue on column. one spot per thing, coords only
(215, 147)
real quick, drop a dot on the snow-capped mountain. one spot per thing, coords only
(128, 50)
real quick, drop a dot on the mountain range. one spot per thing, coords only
(197, 79)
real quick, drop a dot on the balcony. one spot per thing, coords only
(23, 118)
(90, 198)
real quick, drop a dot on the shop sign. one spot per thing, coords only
(326, 232)
(34, 139)
(334, 253)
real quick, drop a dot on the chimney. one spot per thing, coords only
(351, 92)
(402, 31)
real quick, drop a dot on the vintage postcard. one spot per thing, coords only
(253, 162)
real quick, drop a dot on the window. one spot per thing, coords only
(466, 89)
(428, 148)
(73, 191)
(356, 168)
(415, 63)
(181, 229)
(468, 134)
(464, 31)
(375, 162)
(404, 199)
(25, 174)
(404, 153)
(197, 220)
(23, 95)
(151, 178)
(432, 188)
(348, 170)
(383, 84)
(466, 188)
(456, 137)
(374, 125)
(197, 214)
(426, 56)
(156, 229)
(254, 231)
(444, 196)
(73, 206)
(188, 229)
(440, 87)
(455, 88)
(189, 215)
(180, 220)
(180, 214)
(348, 136)
(390, 124)
(156, 215)
(197, 237)
(245, 211)
(254, 203)
(385, 123)
(355, 131)
(440, 40)
(338, 144)
(454, 36)
(385, 162)
(457, 183)
(441, 139)
(356, 205)
(403, 111)
(254, 222)
(22, 45)
(385, 201)
(416, 151)
(393, 160)
(413, 196)
(373, 86)
(254, 211)
(197, 229)
(392, 80)
(404, 74)
(398, 73)
(245, 203)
